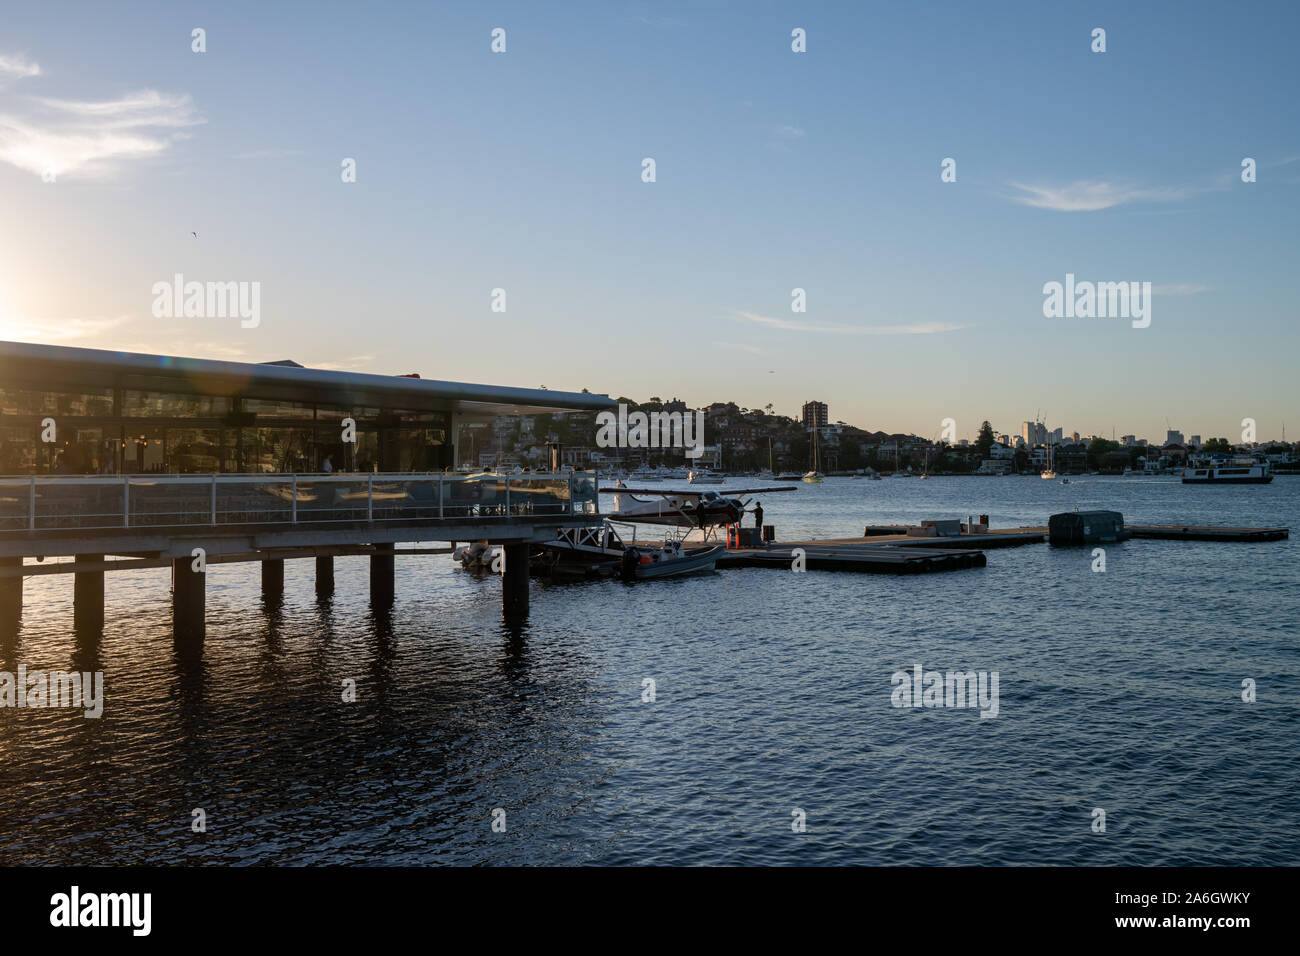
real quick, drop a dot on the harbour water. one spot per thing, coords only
(1119, 691)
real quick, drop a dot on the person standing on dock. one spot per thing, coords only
(758, 515)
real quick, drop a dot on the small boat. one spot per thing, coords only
(672, 560)
(1065, 481)
(788, 476)
(477, 556)
(704, 477)
(814, 475)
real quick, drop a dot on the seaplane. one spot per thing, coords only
(681, 509)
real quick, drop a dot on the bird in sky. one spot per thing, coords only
(194, 234)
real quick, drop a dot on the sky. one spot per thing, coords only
(126, 158)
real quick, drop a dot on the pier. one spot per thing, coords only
(188, 522)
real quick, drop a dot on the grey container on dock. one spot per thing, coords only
(1086, 527)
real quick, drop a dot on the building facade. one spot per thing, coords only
(85, 411)
(815, 414)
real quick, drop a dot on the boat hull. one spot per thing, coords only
(694, 562)
(1251, 480)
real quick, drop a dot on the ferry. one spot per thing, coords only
(1226, 470)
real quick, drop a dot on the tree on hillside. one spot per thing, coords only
(984, 443)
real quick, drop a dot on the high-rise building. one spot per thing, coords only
(815, 414)
(1034, 433)
(1173, 437)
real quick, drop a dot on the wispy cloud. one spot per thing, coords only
(93, 138)
(790, 132)
(1087, 196)
(17, 66)
(739, 346)
(790, 325)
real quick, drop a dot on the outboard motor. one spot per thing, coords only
(631, 558)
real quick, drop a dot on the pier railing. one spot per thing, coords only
(38, 503)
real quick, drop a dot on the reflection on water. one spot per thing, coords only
(1118, 690)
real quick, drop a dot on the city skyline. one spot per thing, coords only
(776, 171)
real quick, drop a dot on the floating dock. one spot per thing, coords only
(1185, 533)
(897, 536)
(853, 554)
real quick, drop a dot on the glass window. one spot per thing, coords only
(22, 401)
(146, 451)
(269, 408)
(17, 449)
(195, 450)
(277, 450)
(171, 405)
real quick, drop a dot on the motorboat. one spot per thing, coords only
(705, 477)
(640, 563)
(813, 476)
(477, 556)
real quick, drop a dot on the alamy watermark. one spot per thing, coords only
(208, 300)
(958, 689)
(653, 430)
(79, 690)
(1098, 300)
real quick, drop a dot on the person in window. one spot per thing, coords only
(328, 466)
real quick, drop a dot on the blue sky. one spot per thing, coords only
(775, 170)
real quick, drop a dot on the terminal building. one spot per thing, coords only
(91, 412)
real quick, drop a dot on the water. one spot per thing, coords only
(1119, 691)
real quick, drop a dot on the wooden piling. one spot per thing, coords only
(88, 593)
(189, 600)
(382, 586)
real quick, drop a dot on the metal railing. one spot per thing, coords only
(42, 503)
